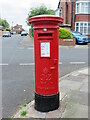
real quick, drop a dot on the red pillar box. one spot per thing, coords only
(46, 45)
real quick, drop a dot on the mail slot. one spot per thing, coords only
(46, 45)
(45, 35)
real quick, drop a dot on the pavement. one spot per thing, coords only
(73, 89)
(28, 41)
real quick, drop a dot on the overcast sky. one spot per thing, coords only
(16, 11)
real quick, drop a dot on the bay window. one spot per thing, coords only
(82, 27)
(82, 7)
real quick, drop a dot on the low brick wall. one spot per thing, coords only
(67, 42)
(88, 36)
(0, 32)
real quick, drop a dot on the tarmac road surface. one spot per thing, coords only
(18, 71)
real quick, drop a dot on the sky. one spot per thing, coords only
(16, 11)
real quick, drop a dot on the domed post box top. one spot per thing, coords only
(45, 19)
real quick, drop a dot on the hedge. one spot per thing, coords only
(8, 29)
(64, 33)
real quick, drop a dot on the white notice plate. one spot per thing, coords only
(45, 49)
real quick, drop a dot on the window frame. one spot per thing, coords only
(84, 26)
(60, 12)
(57, 12)
(80, 7)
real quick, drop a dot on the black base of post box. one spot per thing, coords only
(46, 103)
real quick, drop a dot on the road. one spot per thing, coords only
(18, 71)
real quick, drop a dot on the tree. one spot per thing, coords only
(39, 11)
(4, 23)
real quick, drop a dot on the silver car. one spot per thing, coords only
(6, 34)
(24, 33)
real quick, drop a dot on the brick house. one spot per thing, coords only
(18, 29)
(76, 15)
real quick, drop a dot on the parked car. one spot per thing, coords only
(24, 33)
(80, 38)
(6, 34)
(13, 33)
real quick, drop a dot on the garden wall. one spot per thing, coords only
(67, 42)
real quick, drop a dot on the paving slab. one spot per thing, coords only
(79, 97)
(75, 110)
(72, 85)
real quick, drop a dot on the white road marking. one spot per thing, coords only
(30, 48)
(23, 64)
(60, 63)
(77, 62)
(33, 63)
(3, 64)
(26, 64)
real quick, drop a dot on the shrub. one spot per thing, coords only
(8, 29)
(64, 33)
(4, 23)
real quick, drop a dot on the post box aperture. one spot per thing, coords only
(46, 45)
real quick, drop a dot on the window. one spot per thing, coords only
(85, 28)
(60, 14)
(86, 7)
(89, 28)
(82, 7)
(57, 12)
(82, 27)
(78, 7)
(77, 26)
